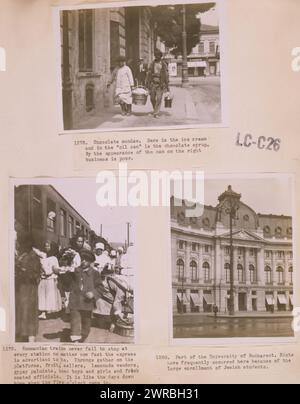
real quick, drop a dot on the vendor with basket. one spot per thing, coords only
(157, 82)
(124, 86)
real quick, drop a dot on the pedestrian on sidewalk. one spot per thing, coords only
(157, 82)
(124, 86)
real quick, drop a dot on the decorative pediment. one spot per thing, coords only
(243, 235)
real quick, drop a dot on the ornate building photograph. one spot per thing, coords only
(233, 267)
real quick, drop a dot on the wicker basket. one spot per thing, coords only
(140, 97)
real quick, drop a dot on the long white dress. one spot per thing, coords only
(49, 295)
(124, 83)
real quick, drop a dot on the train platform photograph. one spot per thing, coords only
(74, 265)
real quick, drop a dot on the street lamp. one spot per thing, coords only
(185, 76)
(229, 204)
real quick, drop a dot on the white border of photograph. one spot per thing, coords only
(230, 341)
(11, 316)
(135, 3)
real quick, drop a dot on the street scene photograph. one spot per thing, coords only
(141, 67)
(233, 267)
(74, 265)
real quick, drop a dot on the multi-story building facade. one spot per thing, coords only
(262, 260)
(204, 59)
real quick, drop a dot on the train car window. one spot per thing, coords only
(37, 208)
(63, 223)
(71, 227)
(51, 215)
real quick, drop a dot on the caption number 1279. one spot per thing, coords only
(261, 142)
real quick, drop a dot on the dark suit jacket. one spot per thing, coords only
(82, 282)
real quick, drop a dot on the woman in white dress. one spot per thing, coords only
(124, 86)
(48, 292)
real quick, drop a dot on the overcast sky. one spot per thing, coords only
(81, 194)
(267, 195)
(210, 17)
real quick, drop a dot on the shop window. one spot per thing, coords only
(63, 223)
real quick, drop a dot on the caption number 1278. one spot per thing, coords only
(261, 142)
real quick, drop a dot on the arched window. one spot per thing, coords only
(180, 270)
(291, 275)
(206, 270)
(253, 274)
(280, 275)
(268, 273)
(241, 273)
(227, 271)
(194, 271)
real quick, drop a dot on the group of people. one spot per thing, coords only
(77, 281)
(155, 78)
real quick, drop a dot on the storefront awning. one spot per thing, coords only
(208, 298)
(270, 300)
(196, 299)
(197, 64)
(282, 299)
(185, 299)
(292, 300)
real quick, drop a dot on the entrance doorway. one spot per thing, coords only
(242, 301)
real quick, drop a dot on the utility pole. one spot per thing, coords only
(128, 234)
(185, 76)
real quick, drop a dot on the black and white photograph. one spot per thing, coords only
(233, 267)
(73, 265)
(140, 65)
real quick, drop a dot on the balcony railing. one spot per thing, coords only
(195, 280)
(181, 280)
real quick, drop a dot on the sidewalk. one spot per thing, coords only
(195, 105)
(236, 315)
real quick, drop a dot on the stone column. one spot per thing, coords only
(261, 266)
(235, 261)
(261, 301)
(275, 300)
(246, 266)
(286, 269)
(236, 301)
(187, 272)
(188, 296)
(201, 277)
(274, 267)
(249, 301)
(201, 301)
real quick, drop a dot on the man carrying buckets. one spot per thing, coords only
(157, 82)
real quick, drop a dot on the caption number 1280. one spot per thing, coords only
(261, 142)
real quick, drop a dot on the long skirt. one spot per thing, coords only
(26, 309)
(49, 296)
